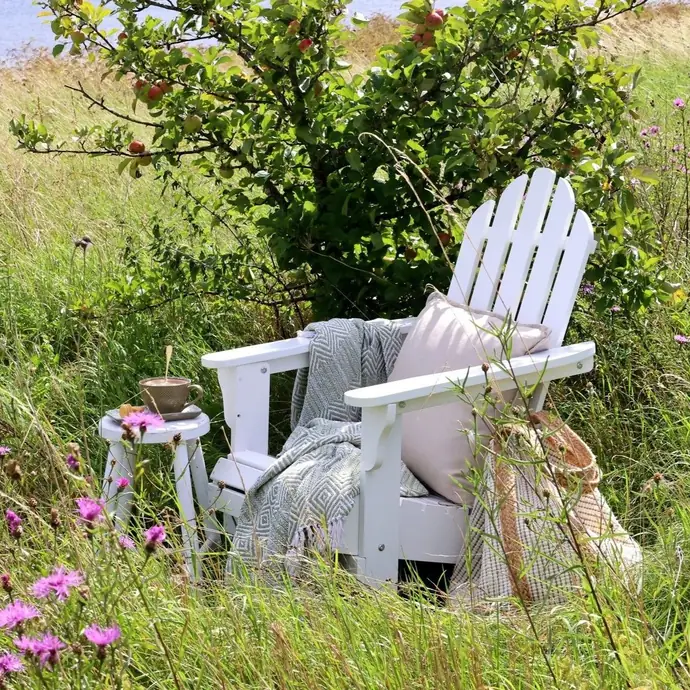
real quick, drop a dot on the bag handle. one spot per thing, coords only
(568, 455)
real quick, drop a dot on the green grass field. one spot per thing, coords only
(67, 354)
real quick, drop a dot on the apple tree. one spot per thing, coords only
(348, 188)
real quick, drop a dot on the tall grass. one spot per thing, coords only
(67, 355)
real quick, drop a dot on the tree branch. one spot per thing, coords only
(101, 104)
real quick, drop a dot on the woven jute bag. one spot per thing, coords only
(538, 520)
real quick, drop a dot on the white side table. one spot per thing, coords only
(189, 469)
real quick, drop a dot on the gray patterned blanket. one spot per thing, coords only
(302, 500)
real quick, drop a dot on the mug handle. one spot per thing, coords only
(199, 394)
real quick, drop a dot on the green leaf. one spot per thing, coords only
(381, 175)
(122, 165)
(57, 49)
(644, 173)
(354, 159)
(358, 19)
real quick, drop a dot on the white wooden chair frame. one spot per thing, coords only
(530, 268)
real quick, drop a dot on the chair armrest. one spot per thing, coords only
(437, 389)
(284, 355)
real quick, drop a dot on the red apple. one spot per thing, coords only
(444, 238)
(305, 44)
(164, 86)
(417, 38)
(410, 253)
(428, 38)
(155, 93)
(137, 146)
(122, 36)
(434, 20)
(318, 89)
(293, 27)
(140, 84)
(420, 29)
(441, 12)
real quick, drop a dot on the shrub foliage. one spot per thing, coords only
(357, 183)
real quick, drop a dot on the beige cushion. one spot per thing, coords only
(437, 443)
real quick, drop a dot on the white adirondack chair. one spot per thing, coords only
(546, 251)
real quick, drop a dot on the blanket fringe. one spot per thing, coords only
(319, 537)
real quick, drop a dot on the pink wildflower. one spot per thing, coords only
(587, 289)
(6, 582)
(102, 637)
(154, 537)
(679, 103)
(16, 613)
(5, 450)
(122, 483)
(125, 542)
(10, 663)
(644, 132)
(144, 421)
(90, 510)
(46, 649)
(654, 130)
(615, 308)
(14, 523)
(60, 581)
(73, 462)
(681, 339)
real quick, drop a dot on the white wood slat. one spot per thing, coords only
(499, 238)
(524, 241)
(578, 247)
(551, 244)
(470, 253)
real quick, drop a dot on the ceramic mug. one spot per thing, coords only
(168, 395)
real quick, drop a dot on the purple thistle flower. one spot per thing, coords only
(679, 103)
(14, 523)
(125, 542)
(102, 637)
(644, 132)
(5, 450)
(6, 582)
(16, 613)
(587, 289)
(73, 462)
(90, 510)
(154, 537)
(10, 663)
(615, 308)
(122, 483)
(46, 649)
(144, 421)
(654, 130)
(59, 581)
(681, 339)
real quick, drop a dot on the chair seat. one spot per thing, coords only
(431, 528)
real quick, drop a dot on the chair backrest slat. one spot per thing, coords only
(526, 262)
(470, 253)
(499, 237)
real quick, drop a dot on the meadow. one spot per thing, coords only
(71, 347)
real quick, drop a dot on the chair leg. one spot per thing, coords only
(379, 498)
(200, 479)
(120, 465)
(190, 538)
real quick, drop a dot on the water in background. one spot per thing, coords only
(20, 26)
